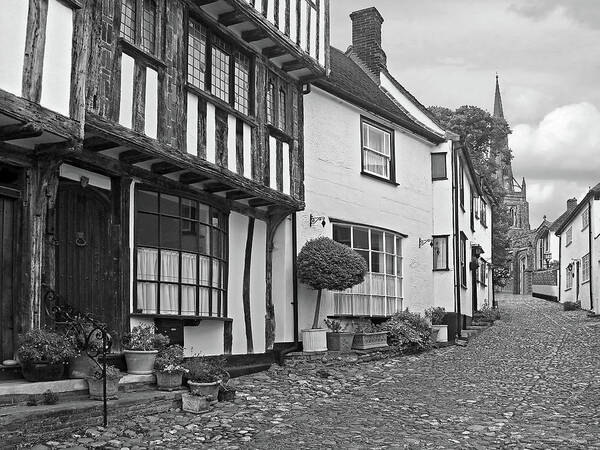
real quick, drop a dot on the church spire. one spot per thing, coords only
(498, 110)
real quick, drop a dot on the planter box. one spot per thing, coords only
(195, 404)
(37, 372)
(442, 332)
(314, 340)
(97, 388)
(340, 342)
(366, 341)
(168, 381)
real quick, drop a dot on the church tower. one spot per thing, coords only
(516, 194)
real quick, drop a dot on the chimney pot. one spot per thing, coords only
(571, 204)
(366, 39)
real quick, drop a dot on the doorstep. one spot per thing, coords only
(16, 391)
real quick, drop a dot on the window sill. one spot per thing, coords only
(178, 317)
(585, 282)
(463, 286)
(137, 51)
(442, 270)
(439, 178)
(585, 228)
(376, 177)
(220, 103)
(568, 244)
(568, 289)
(279, 133)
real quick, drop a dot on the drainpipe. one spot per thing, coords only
(494, 304)
(559, 265)
(455, 240)
(590, 252)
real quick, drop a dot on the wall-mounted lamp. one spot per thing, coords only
(84, 181)
(423, 242)
(316, 219)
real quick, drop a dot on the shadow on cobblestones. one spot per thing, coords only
(530, 381)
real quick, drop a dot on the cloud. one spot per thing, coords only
(585, 12)
(560, 157)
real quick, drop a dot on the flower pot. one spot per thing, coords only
(442, 332)
(140, 362)
(367, 341)
(81, 367)
(204, 389)
(96, 388)
(195, 404)
(314, 340)
(339, 342)
(168, 381)
(42, 371)
(226, 394)
(434, 335)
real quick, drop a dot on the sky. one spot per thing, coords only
(547, 55)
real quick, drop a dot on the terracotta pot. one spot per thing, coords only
(339, 342)
(140, 362)
(314, 340)
(205, 389)
(168, 381)
(81, 367)
(42, 371)
(96, 388)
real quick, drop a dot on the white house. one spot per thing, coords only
(579, 253)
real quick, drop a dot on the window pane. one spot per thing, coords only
(146, 298)
(169, 204)
(389, 243)
(146, 201)
(189, 268)
(377, 240)
(218, 247)
(220, 74)
(242, 83)
(438, 165)
(216, 301)
(169, 299)
(216, 274)
(341, 234)
(399, 266)
(361, 238)
(169, 232)
(188, 300)
(128, 20)
(282, 110)
(148, 233)
(203, 212)
(196, 54)
(204, 270)
(376, 139)
(147, 264)
(204, 239)
(149, 26)
(169, 266)
(365, 255)
(389, 265)
(189, 236)
(270, 95)
(376, 163)
(399, 246)
(440, 253)
(189, 209)
(377, 262)
(204, 298)
(216, 219)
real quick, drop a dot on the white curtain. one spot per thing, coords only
(204, 297)
(188, 275)
(204, 270)
(169, 271)
(440, 253)
(376, 163)
(147, 269)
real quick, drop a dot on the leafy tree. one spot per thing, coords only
(326, 264)
(484, 137)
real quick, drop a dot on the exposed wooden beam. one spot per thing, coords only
(191, 178)
(134, 157)
(232, 18)
(58, 148)
(96, 144)
(203, 2)
(258, 202)
(20, 131)
(238, 195)
(163, 168)
(274, 51)
(253, 35)
(217, 187)
(290, 66)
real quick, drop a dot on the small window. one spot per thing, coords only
(440, 252)
(568, 277)
(438, 166)
(585, 218)
(585, 268)
(483, 214)
(461, 182)
(128, 20)
(463, 260)
(196, 54)
(377, 151)
(569, 235)
(220, 73)
(145, 18)
(242, 83)
(270, 103)
(149, 26)
(282, 109)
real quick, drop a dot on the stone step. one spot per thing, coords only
(47, 421)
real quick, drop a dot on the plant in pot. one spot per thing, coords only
(142, 345)
(96, 383)
(87, 338)
(169, 368)
(43, 354)
(205, 376)
(437, 316)
(326, 264)
(338, 339)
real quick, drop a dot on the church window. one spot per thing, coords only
(438, 166)
(585, 218)
(377, 151)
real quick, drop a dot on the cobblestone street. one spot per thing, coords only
(530, 381)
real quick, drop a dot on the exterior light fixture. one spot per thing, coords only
(316, 219)
(423, 242)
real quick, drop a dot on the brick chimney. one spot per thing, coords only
(366, 39)
(571, 204)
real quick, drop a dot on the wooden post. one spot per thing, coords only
(35, 42)
(246, 285)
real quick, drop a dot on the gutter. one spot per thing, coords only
(455, 240)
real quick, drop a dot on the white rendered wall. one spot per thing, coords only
(231, 143)
(336, 189)
(126, 104)
(258, 285)
(595, 254)
(151, 103)
(192, 124)
(283, 289)
(545, 290)
(13, 30)
(56, 76)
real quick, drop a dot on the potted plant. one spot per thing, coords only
(437, 317)
(369, 337)
(169, 369)
(141, 347)
(204, 379)
(96, 383)
(43, 354)
(226, 393)
(86, 337)
(338, 340)
(326, 264)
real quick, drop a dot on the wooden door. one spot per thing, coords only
(87, 253)
(9, 240)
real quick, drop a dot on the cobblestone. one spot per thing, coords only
(530, 381)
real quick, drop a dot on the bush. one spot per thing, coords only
(326, 264)
(204, 370)
(436, 315)
(170, 360)
(50, 398)
(144, 338)
(112, 373)
(487, 314)
(571, 306)
(407, 330)
(37, 346)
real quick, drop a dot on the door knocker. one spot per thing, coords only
(80, 240)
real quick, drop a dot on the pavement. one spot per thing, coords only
(530, 381)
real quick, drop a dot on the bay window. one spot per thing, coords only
(180, 257)
(380, 294)
(377, 150)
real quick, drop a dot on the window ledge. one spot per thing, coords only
(568, 289)
(137, 51)
(180, 317)
(279, 133)
(568, 244)
(585, 282)
(442, 270)
(439, 178)
(220, 103)
(376, 177)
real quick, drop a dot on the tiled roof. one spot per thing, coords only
(567, 216)
(349, 81)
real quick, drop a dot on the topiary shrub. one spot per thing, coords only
(571, 306)
(326, 264)
(407, 330)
